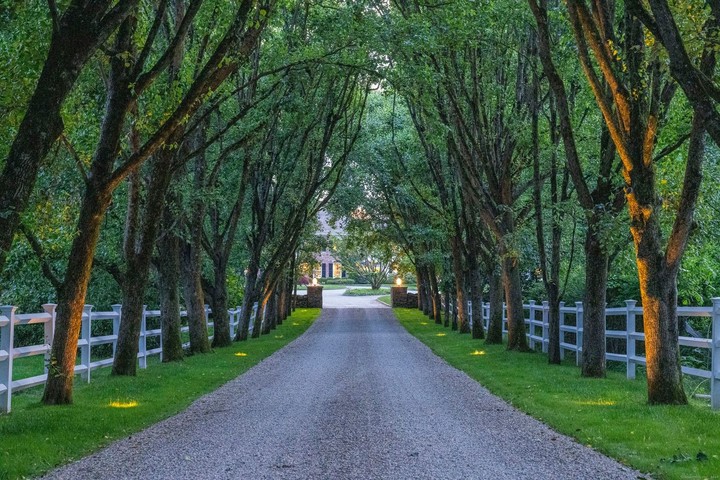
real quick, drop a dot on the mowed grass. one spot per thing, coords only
(385, 299)
(35, 438)
(361, 292)
(610, 415)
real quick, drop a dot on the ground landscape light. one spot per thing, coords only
(241, 354)
(128, 404)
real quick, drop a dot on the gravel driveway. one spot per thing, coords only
(356, 397)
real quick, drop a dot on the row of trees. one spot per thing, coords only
(171, 146)
(555, 121)
(187, 145)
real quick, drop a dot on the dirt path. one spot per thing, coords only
(356, 397)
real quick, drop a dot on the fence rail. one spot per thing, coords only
(571, 333)
(9, 320)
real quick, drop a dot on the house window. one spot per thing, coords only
(330, 270)
(324, 270)
(344, 274)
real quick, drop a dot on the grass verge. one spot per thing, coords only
(610, 415)
(385, 299)
(36, 438)
(361, 292)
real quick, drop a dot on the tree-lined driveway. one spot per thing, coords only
(356, 397)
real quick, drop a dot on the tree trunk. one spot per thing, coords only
(77, 37)
(271, 317)
(658, 292)
(259, 317)
(476, 287)
(221, 318)
(194, 298)
(513, 298)
(125, 361)
(249, 297)
(447, 308)
(58, 389)
(436, 296)
(462, 324)
(495, 325)
(168, 267)
(596, 272)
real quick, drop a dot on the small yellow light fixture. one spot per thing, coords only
(478, 352)
(314, 282)
(423, 323)
(241, 354)
(128, 404)
(441, 334)
(398, 281)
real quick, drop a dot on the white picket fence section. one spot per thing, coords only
(9, 320)
(571, 334)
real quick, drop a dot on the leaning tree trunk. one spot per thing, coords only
(168, 267)
(79, 32)
(596, 273)
(61, 370)
(194, 298)
(495, 325)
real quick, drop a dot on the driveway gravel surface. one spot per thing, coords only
(356, 397)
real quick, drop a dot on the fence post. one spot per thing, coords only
(117, 308)
(715, 356)
(49, 331)
(630, 342)
(579, 331)
(531, 330)
(486, 315)
(143, 339)
(545, 325)
(7, 334)
(86, 335)
(561, 321)
(470, 312)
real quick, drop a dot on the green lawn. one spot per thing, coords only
(361, 292)
(610, 415)
(36, 438)
(303, 288)
(385, 299)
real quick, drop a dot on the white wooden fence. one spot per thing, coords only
(9, 320)
(571, 333)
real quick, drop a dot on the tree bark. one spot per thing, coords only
(58, 389)
(596, 272)
(463, 325)
(495, 325)
(219, 303)
(517, 339)
(168, 267)
(194, 298)
(76, 37)
(476, 288)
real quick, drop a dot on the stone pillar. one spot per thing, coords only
(398, 296)
(314, 296)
